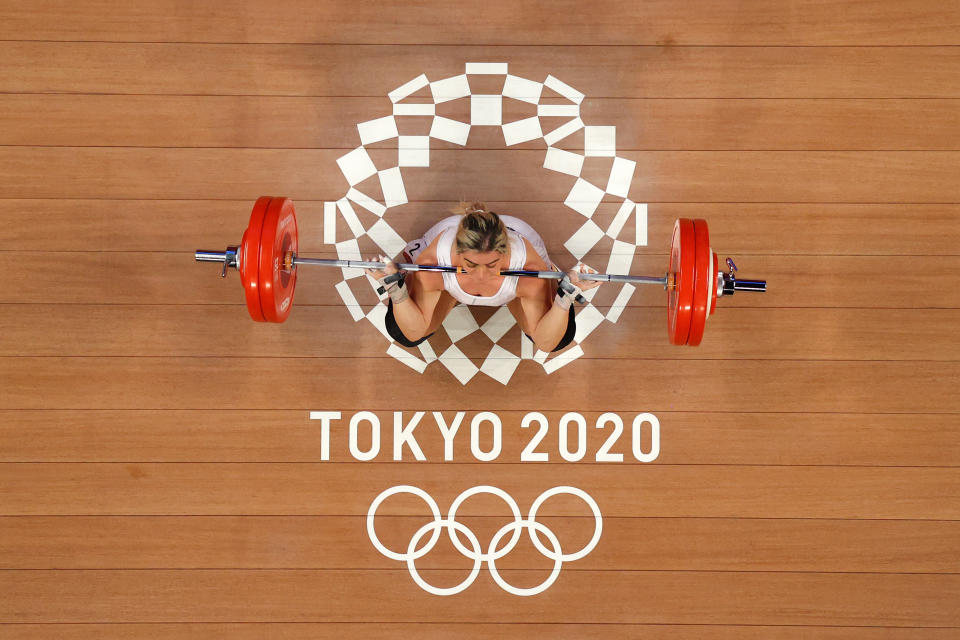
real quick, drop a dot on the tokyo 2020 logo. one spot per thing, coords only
(413, 153)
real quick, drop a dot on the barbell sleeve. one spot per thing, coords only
(210, 256)
(750, 285)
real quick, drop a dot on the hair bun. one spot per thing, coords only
(480, 229)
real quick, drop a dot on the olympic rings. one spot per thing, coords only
(383, 496)
(475, 553)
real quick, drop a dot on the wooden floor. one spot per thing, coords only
(160, 476)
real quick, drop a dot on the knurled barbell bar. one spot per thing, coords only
(267, 261)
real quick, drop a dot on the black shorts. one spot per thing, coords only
(391, 324)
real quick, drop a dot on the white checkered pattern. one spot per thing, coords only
(582, 199)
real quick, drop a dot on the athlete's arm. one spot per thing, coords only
(414, 312)
(547, 320)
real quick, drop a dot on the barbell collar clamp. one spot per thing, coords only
(228, 258)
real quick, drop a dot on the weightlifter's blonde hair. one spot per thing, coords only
(480, 229)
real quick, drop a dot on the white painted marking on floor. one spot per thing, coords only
(329, 222)
(413, 151)
(562, 132)
(558, 110)
(522, 89)
(459, 323)
(450, 130)
(563, 162)
(394, 193)
(486, 68)
(458, 364)
(616, 226)
(427, 109)
(428, 353)
(584, 198)
(641, 239)
(588, 319)
(600, 141)
(386, 238)
(356, 166)
(621, 302)
(563, 359)
(377, 130)
(450, 89)
(407, 358)
(498, 324)
(621, 176)
(526, 347)
(585, 238)
(486, 110)
(500, 364)
(350, 217)
(564, 89)
(365, 201)
(522, 131)
(621, 258)
(408, 89)
(349, 300)
(377, 317)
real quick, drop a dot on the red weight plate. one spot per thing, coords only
(681, 269)
(714, 284)
(701, 283)
(249, 258)
(277, 283)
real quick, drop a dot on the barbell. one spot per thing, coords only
(267, 261)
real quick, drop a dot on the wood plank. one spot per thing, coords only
(642, 124)
(669, 544)
(349, 70)
(313, 384)
(578, 597)
(736, 228)
(442, 631)
(290, 436)
(328, 331)
(348, 489)
(174, 278)
(753, 22)
(666, 176)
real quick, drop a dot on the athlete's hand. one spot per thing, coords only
(380, 274)
(583, 285)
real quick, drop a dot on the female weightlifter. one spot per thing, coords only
(481, 243)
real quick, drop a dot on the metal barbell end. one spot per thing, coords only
(229, 258)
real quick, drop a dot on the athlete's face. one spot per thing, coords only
(481, 267)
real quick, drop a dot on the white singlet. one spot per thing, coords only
(517, 230)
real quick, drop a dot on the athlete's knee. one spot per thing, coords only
(394, 329)
(567, 335)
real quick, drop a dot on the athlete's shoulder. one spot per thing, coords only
(429, 280)
(429, 254)
(533, 262)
